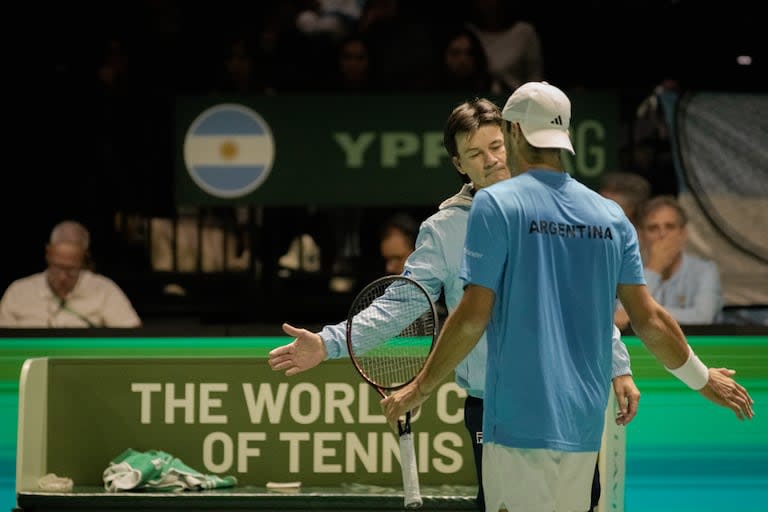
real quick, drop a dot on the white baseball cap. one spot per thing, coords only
(544, 114)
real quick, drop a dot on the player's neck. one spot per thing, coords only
(543, 166)
(545, 160)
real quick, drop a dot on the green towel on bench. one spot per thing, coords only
(158, 471)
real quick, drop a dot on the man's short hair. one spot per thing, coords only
(657, 202)
(468, 117)
(402, 222)
(72, 232)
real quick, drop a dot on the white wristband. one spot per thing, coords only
(693, 372)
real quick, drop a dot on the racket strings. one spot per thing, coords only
(405, 320)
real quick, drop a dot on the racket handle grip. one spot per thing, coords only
(410, 472)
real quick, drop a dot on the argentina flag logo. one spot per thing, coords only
(229, 150)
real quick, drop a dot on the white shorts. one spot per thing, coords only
(536, 480)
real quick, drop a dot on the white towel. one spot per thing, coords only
(159, 471)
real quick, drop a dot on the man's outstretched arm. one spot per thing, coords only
(663, 337)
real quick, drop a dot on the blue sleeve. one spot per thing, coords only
(335, 339)
(631, 271)
(426, 264)
(485, 248)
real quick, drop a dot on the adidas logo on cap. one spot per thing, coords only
(543, 113)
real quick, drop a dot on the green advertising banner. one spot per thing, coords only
(235, 416)
(215, 403)
(346, 150)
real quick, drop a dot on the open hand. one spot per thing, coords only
(306, 351)
(723, 390)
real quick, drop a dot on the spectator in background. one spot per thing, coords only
(330, 19)
(241, 69)
(628, 189)
(353, 72)
(397, 241)
(464, 64)
(512, 45)
(68, 293)
(686, 285)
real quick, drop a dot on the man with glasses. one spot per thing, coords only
(687, 285)
(67, 294)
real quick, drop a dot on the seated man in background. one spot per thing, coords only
(66, 293)
(686, 285)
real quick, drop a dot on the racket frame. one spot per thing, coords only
(412, 498)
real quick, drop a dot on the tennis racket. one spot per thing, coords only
(391, 328)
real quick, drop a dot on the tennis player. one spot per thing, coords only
(543, 259)
(474, 139)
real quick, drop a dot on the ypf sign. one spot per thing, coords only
(229, 150)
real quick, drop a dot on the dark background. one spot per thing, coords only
(60, 122)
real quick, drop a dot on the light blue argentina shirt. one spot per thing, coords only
(435, 263)
(553, 251)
